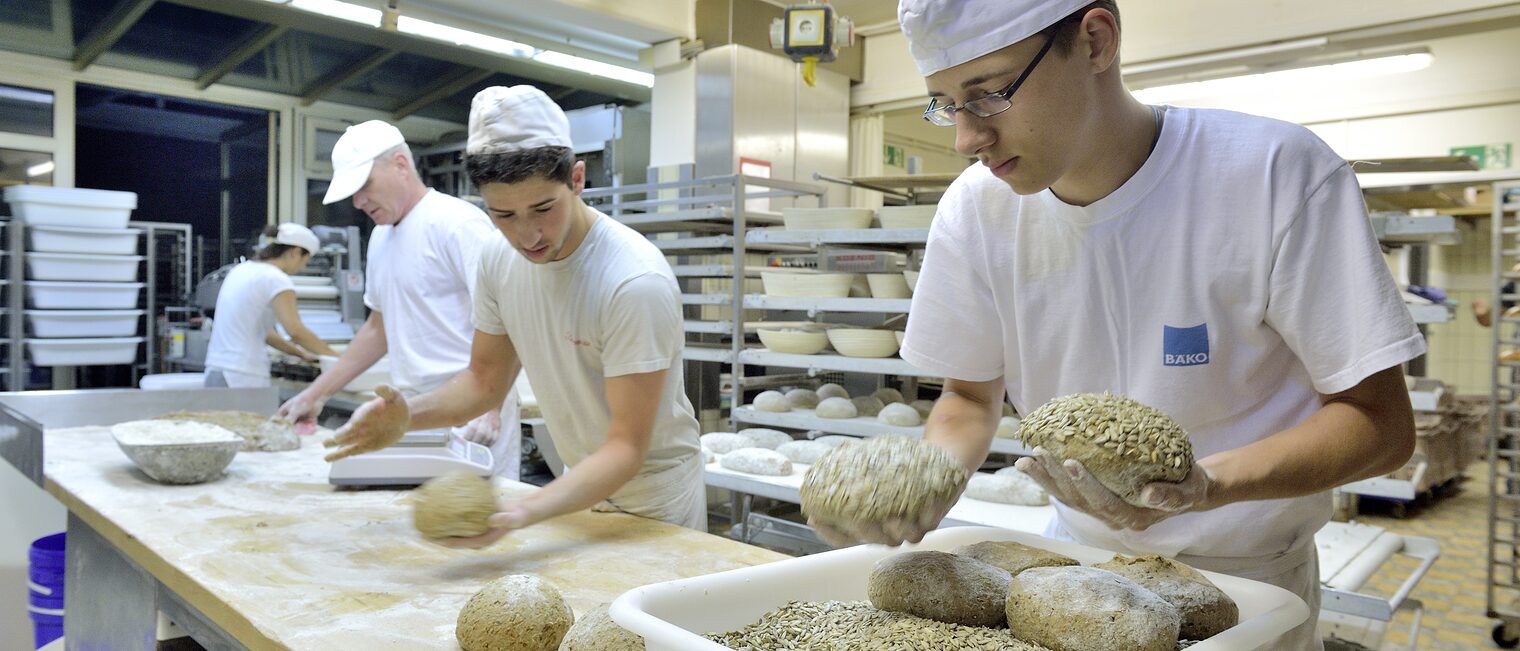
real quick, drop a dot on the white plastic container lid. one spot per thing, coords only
(80, 230)
(71, 196)
(83, 257)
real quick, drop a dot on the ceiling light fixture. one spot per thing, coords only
(40, 169)
(1281, 80)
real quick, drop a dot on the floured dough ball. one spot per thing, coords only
(832, 390)
(806, 452)
(455, 505)
(757, 461)
(867, 406)
(1084, 608)
(900, 415)
(836, 408)
(1206, 610)
(940, 586)
(802, 398)
(923, 407)
(888, 395)
(594, 630)
(769, 439)
(836, 440)
(520, 612)
(1008, 428)
(1006, 489)
(1013, 557)
(1123, 443)
(881, 479)
(773, 401)
(725, 442)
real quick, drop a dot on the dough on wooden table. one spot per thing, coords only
(1006, 489)
(888, 395)
(773, 401)
(1206, 610)
(900, 415)
(867, 406)
(521, 612)
(1013, 557)
(836, 408)
(594, 630)
(455, 505)
(832, 390)
(1085, 608)
(769, 439)
(802, 398)
(940, 586)
(923, 407)
(725, 442)
(804, 451)
(757, 461)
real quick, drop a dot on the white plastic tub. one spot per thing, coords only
(66, 295)
(82, 266)
(172, 381)
(70, 239)
(52, 324)
(673, 615)
(83, 352)
(39, 205)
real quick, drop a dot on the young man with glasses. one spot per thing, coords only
(1214, 265)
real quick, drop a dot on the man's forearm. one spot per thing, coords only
(963, 426)
(465, 396)
(366, 348)
(589, 482)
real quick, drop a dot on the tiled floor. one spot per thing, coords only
(1454, 590)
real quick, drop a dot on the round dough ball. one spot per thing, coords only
(832, 390)
(1206, 610)
(806, 452)
(878, 480)
(1123, 443)
(940, 586)
(1083, 608)
(773, 401)
(520, 612)
(1006, 489)
(888, 395)
(769, 439)
(923, 407)
(867, 406)
(1008, 427)
(455, 505)
(900, 415)
(757, 461)
(725, 442)
(836, 408)
(802, 398)
(1013, 557)
(594, 630)
(836, 440)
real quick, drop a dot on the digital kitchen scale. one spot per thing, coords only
(411, 465)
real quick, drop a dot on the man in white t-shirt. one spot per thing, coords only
(589, 308)
(421, 267)
(1214, 265)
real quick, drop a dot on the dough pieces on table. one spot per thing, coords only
(521, 612)
(455, 505)
(725, 442)
(594, 630)
(757, 461)
(900, 415)
(772, 401)
(832, 390)
(867, 406)
(888, 395)
(836, 408)
(940, 586)
(1006, 489)
(805, 452)
(1206, 610)
(1013, 557)
(769, 439)
(802, 398)
(1084, 608)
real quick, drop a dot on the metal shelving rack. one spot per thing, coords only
(1504, 425)
(14, 371)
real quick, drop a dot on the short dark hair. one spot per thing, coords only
(272, 250)
(551, 163)
(1066, 29)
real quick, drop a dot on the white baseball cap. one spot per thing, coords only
(946, 33)
(354, 156)
(293, 234)
(504, 120)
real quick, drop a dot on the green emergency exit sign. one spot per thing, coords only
(1496, 156)
(894, 156)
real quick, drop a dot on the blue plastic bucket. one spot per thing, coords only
(45, 633)
(48, 553)
(47, 625)
(46, 602)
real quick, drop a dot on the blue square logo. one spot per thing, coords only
(1185, 346)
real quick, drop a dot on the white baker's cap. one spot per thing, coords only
(504, 120)
(946, 33)
(293, 234)
(354, 156)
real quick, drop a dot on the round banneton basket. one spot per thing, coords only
(177, 451)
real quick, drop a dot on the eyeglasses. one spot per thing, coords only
(987, 105)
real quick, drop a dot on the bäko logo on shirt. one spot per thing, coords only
(1185, 346)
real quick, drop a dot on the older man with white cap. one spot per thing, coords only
(421, 269)
(594, 319)
(1217, 266)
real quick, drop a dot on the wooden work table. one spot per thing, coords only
(271, 556)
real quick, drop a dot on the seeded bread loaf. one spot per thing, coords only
(1013, 557)
(1123, 443)
(1083, 608)
(1206, 610)
(940, 586)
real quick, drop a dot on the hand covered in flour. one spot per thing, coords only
(1070, 482)
(891, 532)
(511, 518)
(303, 410)
(376, 425)
(485, 429)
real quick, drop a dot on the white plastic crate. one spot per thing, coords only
(71, 239)
(82, 266)
(83, 352)
(39, 205)
(673, 616)
(52, 324)
(65, 295)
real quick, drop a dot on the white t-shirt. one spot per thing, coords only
(1229, 280)
(244, 316)
(612, 308)
(421, 276)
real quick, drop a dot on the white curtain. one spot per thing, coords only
(866, 142)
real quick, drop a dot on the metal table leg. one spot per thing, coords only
(109, 602)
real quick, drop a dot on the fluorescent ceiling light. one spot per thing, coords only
(463, 37)
(40, 169)
(597, 68)
(338, 9)
(1290, 80)
(26, 95)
